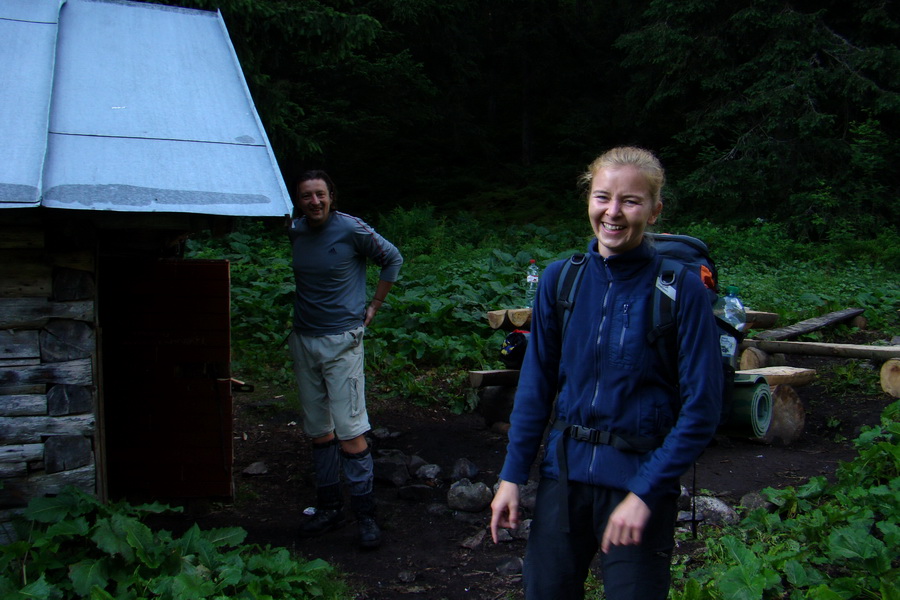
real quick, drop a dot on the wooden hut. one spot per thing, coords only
(133, 128)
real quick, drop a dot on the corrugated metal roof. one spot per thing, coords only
(126, 106)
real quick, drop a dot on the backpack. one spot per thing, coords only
(680, 254)
(512, 352)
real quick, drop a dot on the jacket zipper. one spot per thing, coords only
(599, 350)
(624, 329)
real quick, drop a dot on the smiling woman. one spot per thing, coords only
(624, 198)
(621, 435)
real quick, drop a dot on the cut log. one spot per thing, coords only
(788, 416)
(34, 313)
(21, 236)
(24, 273)
(859, 322)
(32, 430)
(17, 492)
(783, 375)
(890, 377)
(23, 405)
(73, 284)
(510, 319)
(480, 379)
(809, 325)
(69, 400)
(19, 344)
(67, 452)
(75, 372)
(23, 453)
(761, 320)
(64, 339)
(754, 358)
(879, 353)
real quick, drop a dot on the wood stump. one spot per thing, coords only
(890, 377)
(788, 416)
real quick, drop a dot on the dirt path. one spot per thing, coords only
(423, 555)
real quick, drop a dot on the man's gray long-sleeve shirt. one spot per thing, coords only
(330, 272)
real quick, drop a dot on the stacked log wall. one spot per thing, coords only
(48, 350)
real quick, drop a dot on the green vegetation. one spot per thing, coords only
(73, 546)
(824, 541)
(433, 328)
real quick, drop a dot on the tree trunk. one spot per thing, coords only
(823, 349)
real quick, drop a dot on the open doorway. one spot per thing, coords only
(166, 403)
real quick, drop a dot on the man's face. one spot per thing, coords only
(315, 201)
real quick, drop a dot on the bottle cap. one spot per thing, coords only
(733, 290)
(532, 260)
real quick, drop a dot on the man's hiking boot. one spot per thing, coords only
(369, 532)
(323, 521)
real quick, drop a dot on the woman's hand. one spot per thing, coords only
(626, 523)
(505, 508)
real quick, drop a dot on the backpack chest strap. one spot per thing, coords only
(636, 444)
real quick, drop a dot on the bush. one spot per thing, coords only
(73, 546)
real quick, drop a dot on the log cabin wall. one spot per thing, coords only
(48, 349)
(63, 389)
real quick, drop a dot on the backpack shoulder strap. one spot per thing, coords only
(662, 333)
(566, 287)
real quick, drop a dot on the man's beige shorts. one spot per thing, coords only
(331, 381)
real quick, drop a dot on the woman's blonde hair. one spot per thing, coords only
(644, 160)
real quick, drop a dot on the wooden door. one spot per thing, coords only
(166, 367)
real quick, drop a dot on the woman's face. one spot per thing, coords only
(315, 201)
(620, 207)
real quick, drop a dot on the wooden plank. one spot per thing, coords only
(17, 492)
(809, 325)
(783, 375)
(18, 362)
(823, 349)
(30, 430)
(33, 313)
(81, 260)
(11, 469)
(75, 372)
(21, 236)
(478, 379)
(21, 453)
(19, 344)
(23, 405)
(25, 273)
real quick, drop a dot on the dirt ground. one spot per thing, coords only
(422, 555)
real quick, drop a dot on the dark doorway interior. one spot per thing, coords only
(167, 409)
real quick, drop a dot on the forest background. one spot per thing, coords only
(785, 111)
(458, 128)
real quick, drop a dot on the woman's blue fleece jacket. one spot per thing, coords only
(608, 377)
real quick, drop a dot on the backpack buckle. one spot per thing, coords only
(586, 434)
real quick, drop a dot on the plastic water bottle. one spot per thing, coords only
(730, 309)
(531, 283)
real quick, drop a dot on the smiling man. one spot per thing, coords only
(330, 251)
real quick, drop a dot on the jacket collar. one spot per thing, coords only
(627, 264)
